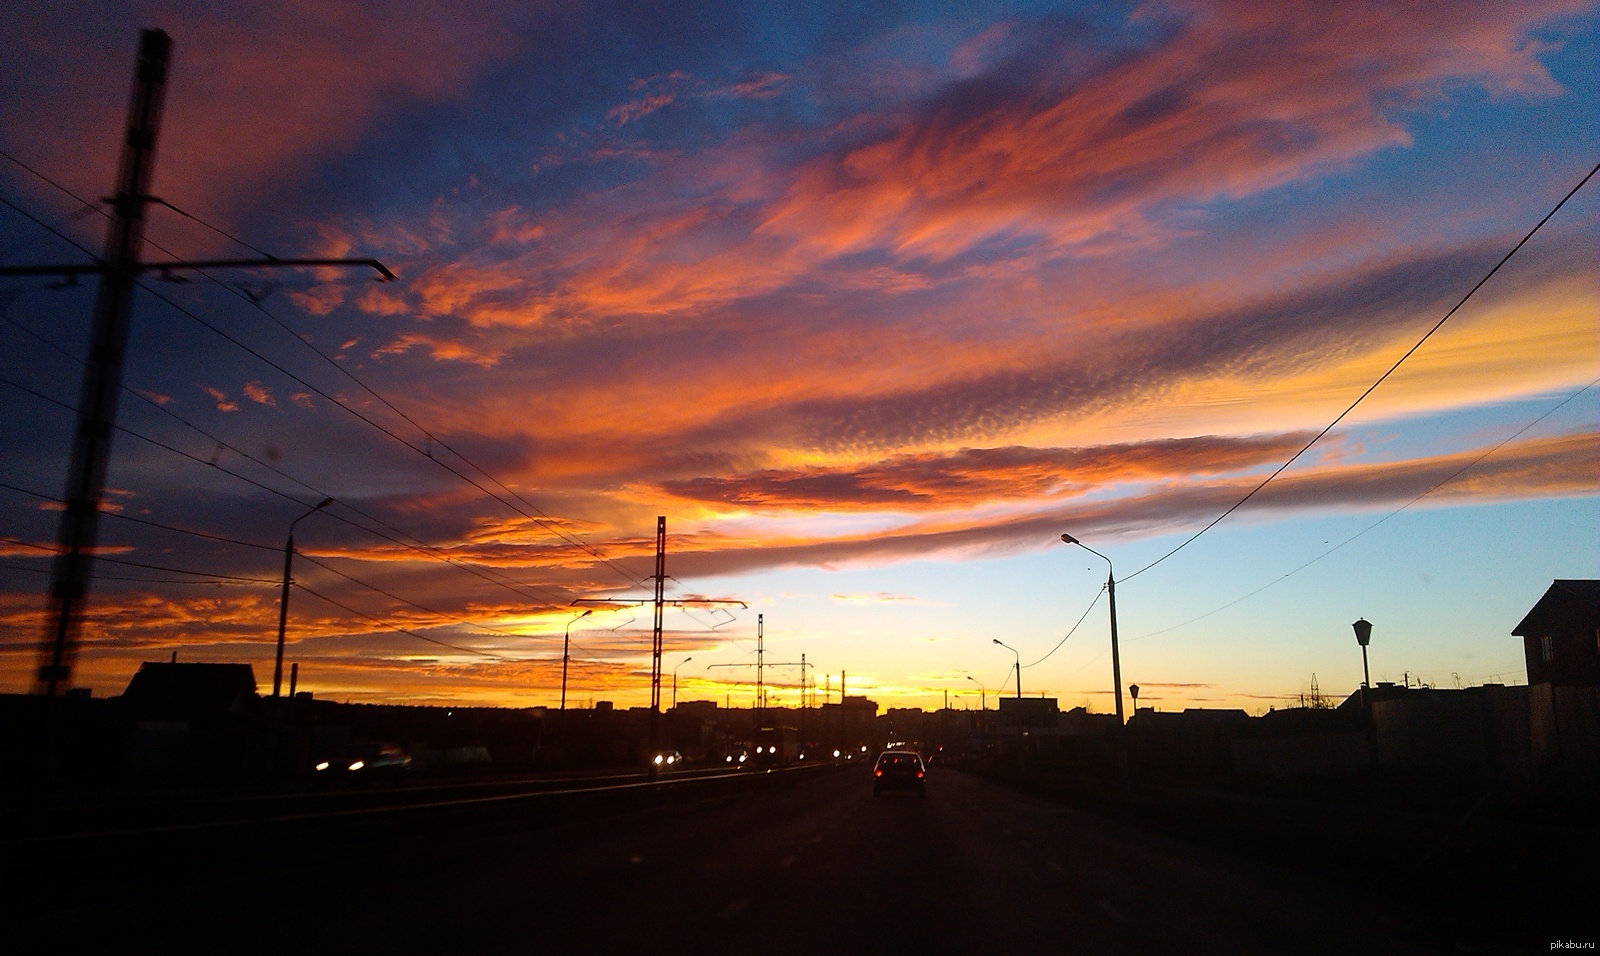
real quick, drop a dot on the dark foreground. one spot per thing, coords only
(772, 863)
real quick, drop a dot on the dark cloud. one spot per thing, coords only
(975, 476)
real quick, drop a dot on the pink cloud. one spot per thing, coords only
(259, 394)
(224, 404)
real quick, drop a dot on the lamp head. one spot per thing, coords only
(323, 504)
(1070, 539)
(1363, 629)
(997, 640)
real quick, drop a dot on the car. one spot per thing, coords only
(900, 770)
(668, 760)
(366, 760)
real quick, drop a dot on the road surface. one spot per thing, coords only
(808, 862)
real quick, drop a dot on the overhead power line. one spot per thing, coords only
(1374, 386)
(140, 564)
(1372, 527)
(1084, 616)
(539, 594)
(395, 597)
(401, 630)
(539, 517)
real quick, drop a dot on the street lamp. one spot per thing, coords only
(1116, 660)
(283, 602)
(1111, 591)
(1019, 665)
(982, 691)
(1363, 629)
(566, 654)
(675, 681)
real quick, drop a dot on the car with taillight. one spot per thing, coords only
(900, 770)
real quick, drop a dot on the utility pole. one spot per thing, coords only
(761, 653)
(659, 603)
(102, 376)
(802, 703)
(119, 270)
(655, 633)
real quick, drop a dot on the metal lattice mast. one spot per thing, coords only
(660, 605)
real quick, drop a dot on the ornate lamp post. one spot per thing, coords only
(1363, 629)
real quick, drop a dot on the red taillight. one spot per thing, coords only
(919, 775)
(877, 773)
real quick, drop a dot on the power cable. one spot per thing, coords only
(544, 519)
(392, 596)
(49, 228)
(1440, 484)
(201, 534)
(139, 564)
(402, 630)
(1074, 630)
(1373, 387)
(541, 594)
(374, 424)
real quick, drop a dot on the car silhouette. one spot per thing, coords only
(899, 770)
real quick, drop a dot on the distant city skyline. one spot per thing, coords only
(872, 305)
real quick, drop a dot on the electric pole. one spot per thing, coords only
(119, 270)
(660, 604)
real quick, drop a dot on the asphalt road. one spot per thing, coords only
(789, 863)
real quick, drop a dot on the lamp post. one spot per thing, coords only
(283, 602)
(1116, 661)
(1363, 629)
(1133, 690)
(566, 654)
(675, 681)
(982, 692)
(1019, 665)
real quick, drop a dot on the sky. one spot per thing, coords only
(871, 302)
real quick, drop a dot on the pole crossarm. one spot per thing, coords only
(780, 664)
(101, 268)
(640, 602)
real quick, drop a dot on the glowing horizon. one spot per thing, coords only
(872, 308)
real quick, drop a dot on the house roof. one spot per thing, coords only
(188, 691)
(1562, 593)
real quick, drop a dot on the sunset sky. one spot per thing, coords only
(872, 302)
